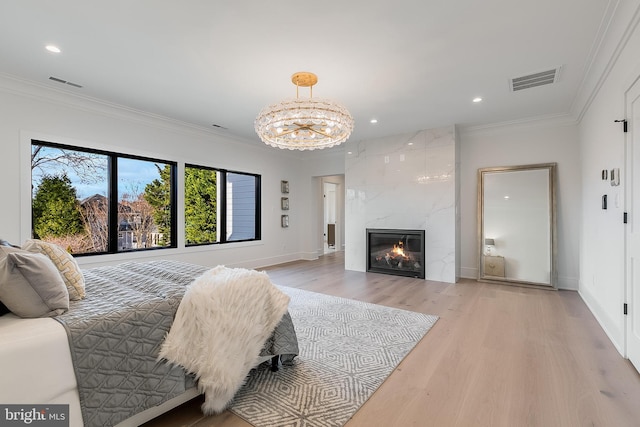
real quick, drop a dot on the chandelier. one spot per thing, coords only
(304, 123)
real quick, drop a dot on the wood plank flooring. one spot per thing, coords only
(498, 356)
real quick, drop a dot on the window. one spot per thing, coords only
(220, 206)
(73, 203)
(242, 204)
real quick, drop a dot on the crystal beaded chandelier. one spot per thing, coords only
(304, 123)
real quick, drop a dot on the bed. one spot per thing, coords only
(102, 355)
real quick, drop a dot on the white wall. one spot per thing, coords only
(602, 248)
(30, 111)
(545, 141)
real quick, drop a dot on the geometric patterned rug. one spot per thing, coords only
(347, 349)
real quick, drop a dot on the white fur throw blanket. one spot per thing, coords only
(221, 325)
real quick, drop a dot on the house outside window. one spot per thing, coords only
(241, 207)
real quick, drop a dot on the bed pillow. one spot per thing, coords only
(6, 243)
(3, 309)
(64, 262)
(30, 285)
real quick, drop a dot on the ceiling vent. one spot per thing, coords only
(55, 79)
(536, 79)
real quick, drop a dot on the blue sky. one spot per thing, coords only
(133, 175)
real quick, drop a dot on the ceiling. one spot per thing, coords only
(410, 64)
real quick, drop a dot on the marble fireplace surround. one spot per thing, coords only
(404, 182)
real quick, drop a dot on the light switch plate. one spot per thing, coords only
(615, 177)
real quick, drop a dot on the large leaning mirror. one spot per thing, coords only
(517, 225)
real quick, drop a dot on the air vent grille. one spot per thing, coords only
(55, 79)
(536, 79)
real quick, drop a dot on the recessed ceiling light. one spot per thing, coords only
(52, 48)
(477, 99)
(373, 121)
(506, 197)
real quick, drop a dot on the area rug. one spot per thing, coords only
(347, 349)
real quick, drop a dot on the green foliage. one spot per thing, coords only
(55, 208)
(158, 194)
(200, 205)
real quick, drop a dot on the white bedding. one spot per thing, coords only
(238, 307)
(36, 352)
(36, 366)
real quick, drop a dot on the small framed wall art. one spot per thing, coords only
(284, 221)
(284, 187)
(284, 203)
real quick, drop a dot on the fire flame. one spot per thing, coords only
(398, 249)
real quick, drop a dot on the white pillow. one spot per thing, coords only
(64, 262)
(30, 284)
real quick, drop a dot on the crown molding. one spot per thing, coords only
(616, 28)
(551, 120)
(44, 93)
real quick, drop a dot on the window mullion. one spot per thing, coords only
(114, 224)
(258, 211)
(173, 200)
(222, 200)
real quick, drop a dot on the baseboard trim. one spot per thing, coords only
(468, 273)
(606, 322)
(568, 283)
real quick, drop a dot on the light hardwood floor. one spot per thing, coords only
(498, 356)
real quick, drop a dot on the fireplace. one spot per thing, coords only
(399, 252)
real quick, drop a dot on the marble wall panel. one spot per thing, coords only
(405, 181)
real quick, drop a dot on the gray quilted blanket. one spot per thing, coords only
(115, 335)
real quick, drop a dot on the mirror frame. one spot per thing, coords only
(551, 168)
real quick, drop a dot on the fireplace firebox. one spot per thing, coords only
(396, 251)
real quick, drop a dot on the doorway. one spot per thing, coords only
(329, 196)
(632, 297)
(330, 214)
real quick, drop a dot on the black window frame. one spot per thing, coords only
(221, 231)
(112, 195)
